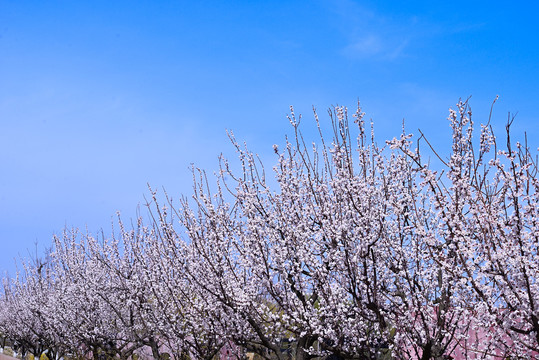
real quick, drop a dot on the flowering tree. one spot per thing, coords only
(25, 310)
(93, 306)
(183, 315)
(486, 211)
(339, 260)
(354, 250)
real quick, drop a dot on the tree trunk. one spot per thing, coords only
(155, 348)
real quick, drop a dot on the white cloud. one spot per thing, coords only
(369, 34)
(375, 46)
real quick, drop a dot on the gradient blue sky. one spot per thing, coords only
(97, 98)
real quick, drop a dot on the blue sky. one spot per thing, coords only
(98, 98)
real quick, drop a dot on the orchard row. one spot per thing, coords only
(349, 249)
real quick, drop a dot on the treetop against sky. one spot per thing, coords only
(97, 99)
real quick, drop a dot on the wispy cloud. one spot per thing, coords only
(376, 46)
(374, 35)
(371, 35)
